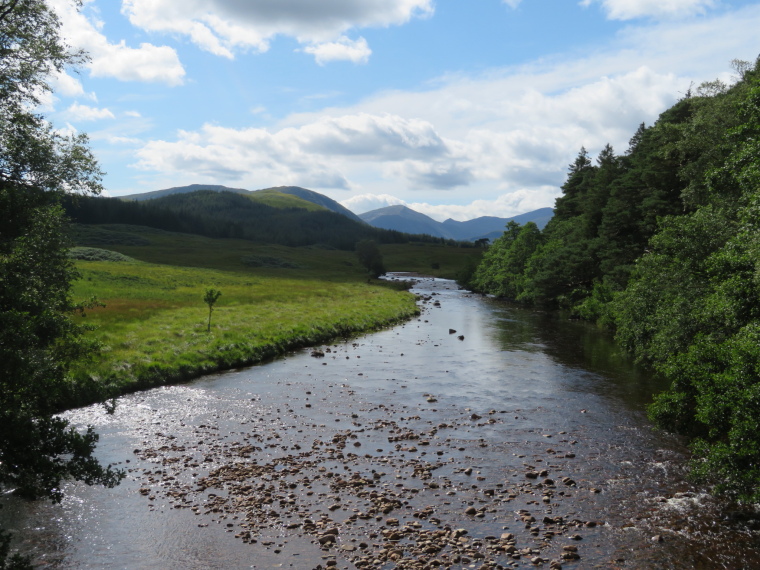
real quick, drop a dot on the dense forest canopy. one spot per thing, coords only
(662, 244)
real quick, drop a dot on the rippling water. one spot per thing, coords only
(509, 392)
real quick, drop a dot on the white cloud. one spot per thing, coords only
(67, 85)
(505, 137)
(510, 140)
(388, 137)
(439, 175)
(630, 9)
(344, 49)
(223, 26)
(503, 206)
(77, 112)
(123, 140)
(313, 154)
(148, 63)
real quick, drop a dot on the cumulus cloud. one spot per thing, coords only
(147, 62)
(311, 154)
(223, 26)
(77, 112)
(344, 49)
(67, 85)
(437, 175)
(389, 137)
(230, 155)
(630, 9)
(512, 138)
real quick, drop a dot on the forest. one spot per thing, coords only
(661, 245)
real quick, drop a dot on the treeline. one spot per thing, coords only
(662, 244)
(232, 215)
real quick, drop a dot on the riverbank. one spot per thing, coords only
(522, 443)
(154, 326)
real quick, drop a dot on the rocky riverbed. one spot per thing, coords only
(472, 437)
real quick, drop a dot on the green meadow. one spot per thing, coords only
(153, 327)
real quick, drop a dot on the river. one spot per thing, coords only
(475, 436)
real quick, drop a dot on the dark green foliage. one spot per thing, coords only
(502, 270)
(96, 254)
(663, 244)
(232, 215)
(268, 261)
(692, 309)
(38, 339)
(370, 257)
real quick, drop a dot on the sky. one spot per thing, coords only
(457, 109)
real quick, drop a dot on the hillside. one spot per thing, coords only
(218, 214)
(661, 244)
(403, 219)
(181, 190)
(279, 197)
(314, 198)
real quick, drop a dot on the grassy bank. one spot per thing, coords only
(153, 327)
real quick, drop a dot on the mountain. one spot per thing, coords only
(314, 198)
(265, 196)
(261, 217)
(487, 226)
(404, 219)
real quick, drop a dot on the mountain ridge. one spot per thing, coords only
(297, 191)
(397, 217)
(402, 218)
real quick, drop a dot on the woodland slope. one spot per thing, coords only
(662, 244)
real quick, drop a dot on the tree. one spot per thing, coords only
(502, 268)
(370, 257)
(691, 308)
(38, 338)
(210, 298)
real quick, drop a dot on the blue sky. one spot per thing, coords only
(457, 109)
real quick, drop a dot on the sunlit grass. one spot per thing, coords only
(153, 328)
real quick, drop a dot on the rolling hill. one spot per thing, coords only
(395, 218)
(280, 196)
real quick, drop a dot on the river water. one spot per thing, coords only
(476, 436)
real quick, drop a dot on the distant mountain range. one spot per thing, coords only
(405, 219)
(399, 218)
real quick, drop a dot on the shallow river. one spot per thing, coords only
(478, 435)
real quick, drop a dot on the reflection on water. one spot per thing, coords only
(509, 391)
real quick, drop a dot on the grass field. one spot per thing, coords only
(153, 327)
